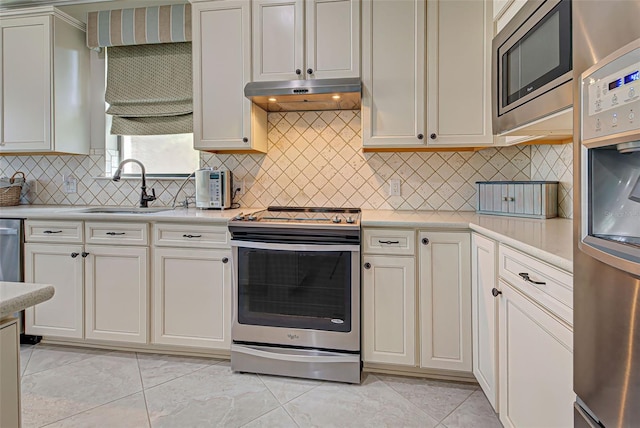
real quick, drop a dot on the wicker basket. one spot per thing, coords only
(10, 190)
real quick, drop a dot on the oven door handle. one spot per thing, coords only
(293, 247)
(284, 356)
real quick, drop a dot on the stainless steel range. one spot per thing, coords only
(296, 293)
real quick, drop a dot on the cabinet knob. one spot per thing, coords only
(74, 255)
(298, 71)
(245, 140)
(225, 260)
(420, 136)
(84, 254)
(433, 136)
(367, 265)
(495, 292)
(425, 241)
(309, 70)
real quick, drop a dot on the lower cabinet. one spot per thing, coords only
(61, 266)
(400, 318)
(484, 313)
(388, 299)
(445, 300)
(536, 364)
(192, 297)
(9, 374)
(116, 283)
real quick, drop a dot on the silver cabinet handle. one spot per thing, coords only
(191, 236)
(52, 231)
(115, 233)
(526, 277)
(388, 242)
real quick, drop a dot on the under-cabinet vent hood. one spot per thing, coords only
(306, 95)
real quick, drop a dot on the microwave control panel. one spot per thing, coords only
(611, 97)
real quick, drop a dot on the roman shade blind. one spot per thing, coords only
(149, 68)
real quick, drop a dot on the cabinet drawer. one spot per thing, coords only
(389, 241)
(53, 231)
(547, 285)
(117, 233)
(190, 235)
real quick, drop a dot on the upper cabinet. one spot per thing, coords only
(44, 83)
(504, 11)
(426, 74)
(223, 119)
(314, 39)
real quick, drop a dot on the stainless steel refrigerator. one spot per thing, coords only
(606, 62)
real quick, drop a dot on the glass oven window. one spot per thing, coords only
(542, 55)
(297, 289)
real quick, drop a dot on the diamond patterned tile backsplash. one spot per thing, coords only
(555, 163)
(314, 158)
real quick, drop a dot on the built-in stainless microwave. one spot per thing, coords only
(532, 65)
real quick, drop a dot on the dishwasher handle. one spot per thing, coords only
(8, 231)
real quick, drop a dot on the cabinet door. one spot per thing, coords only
(9, 374)
(535, 363)
(459, 73)
(484, 314)
(116, 283)
(393, 73)
(25, 84)
(505, 11)
(192, 297)
(389, 298)
(445, 300)
(61, 266)
(332, 38)
(278, 40)
(223, 119)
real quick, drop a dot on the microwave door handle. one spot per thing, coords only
(293, 247)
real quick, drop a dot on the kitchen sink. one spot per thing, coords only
(123, 210)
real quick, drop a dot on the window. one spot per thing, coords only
(161, 154)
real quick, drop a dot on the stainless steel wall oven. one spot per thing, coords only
(297, 293)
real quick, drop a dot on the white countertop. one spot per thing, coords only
(16, 296)
(549, 240)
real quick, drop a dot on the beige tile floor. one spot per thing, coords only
(78, 387)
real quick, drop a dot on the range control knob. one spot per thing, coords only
(336, 219)
(632, 92)
(252, 217)
(614, 100)
(632, 116)
(239, 217)
(350, 220)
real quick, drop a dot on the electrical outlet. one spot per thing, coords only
(394, 187)
(70, 184)
(239, 186)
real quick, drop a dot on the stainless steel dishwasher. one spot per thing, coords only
(11, 239)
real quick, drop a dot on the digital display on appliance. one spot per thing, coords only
(615, 84)
(632, 77)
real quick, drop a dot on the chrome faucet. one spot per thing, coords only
(144, 198)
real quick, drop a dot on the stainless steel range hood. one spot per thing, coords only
(305, 95)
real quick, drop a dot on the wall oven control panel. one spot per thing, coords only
(611, 95)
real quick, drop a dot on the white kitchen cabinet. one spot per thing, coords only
(9, 374)
(535, 364)
(426, 74)
(484, 313)
(223, 119)
(44, 83)
(393, 74)
(116, 284)
(389, 304)
(445, 300)
(459, 73)
(192, 297)
(62, 266)
(296, 39)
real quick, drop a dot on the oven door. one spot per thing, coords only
(302, 295)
